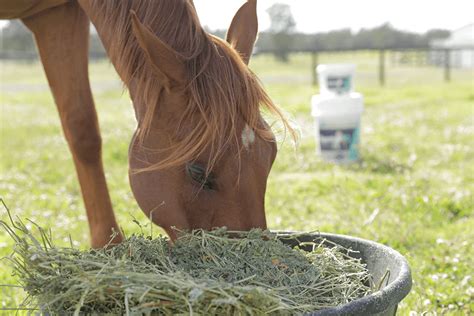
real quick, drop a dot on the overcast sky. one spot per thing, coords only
(323, 15)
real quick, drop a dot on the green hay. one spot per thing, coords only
(207, 273)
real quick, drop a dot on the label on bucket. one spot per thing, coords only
(339, 84)
(339, 145)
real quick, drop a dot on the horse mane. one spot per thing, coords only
(222, 90)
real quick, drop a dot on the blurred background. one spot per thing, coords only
(412, 188)
(404, 33)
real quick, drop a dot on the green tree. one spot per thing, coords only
(16, 37)
(282, 26)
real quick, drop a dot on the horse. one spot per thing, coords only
(201, 152)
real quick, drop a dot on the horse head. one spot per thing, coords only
(202, 153)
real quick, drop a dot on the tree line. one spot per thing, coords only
(381, 37)
(280, 39)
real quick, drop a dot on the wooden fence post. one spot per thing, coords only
(314, 64)
(382, 67)
(447, 65)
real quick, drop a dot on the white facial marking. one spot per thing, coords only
(248, 137)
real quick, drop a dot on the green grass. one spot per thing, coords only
(413, 189)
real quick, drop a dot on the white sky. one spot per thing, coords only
(323, 15)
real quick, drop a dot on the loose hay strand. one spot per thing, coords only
(202, 272)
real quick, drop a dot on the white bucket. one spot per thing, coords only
(336, 79)
(337, 126)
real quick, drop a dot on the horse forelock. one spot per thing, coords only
(224, 95)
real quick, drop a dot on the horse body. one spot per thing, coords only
(201, 154)
(20, 9)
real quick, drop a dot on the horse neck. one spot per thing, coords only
(107, 36)
(111, 39)
(115, 34)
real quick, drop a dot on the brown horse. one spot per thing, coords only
(201, 153)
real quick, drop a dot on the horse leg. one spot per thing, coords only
(62, 37)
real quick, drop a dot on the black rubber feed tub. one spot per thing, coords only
(379, 259)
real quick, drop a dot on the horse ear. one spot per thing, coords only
(243, 30)
(164, 59)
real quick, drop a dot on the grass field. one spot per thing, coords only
(413, 189)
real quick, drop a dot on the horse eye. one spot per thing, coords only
(198, 174)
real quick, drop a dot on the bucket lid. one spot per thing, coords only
(336, 69)
(351, 104)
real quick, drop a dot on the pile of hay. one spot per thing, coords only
(209, 273)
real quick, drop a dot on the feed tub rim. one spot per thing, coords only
(375, 303)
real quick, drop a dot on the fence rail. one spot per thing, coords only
(436, 57)
(445, 58)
